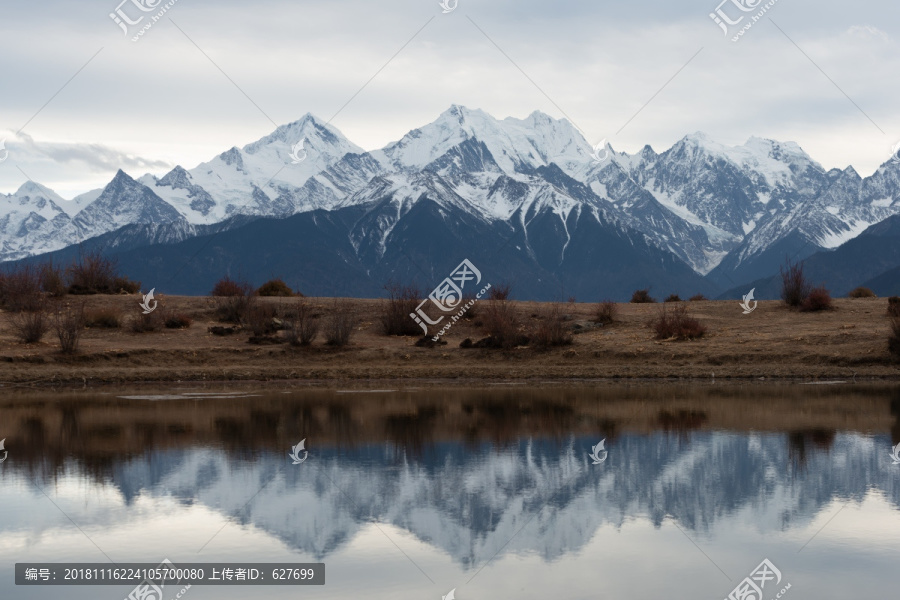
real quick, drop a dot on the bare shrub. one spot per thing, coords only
(302, 326)
(551, 330)
(123, 285)
(396, 312)
(676, 323)
(92, 273)
(642, 297)
(29, 327)
(261, 319)
(20, 289)
(178, 321)
(894, 337)
(894, 306)
(795, 287)
(673, 298)
(108, 318)
(146, 323)
(340, 323)
(862, 292)
(233, 300)
(275, 287)
(52, 280)
(502, 324)
(68, 322)
(500, 292)
(606, 312)
(817, 299)
(698, 298)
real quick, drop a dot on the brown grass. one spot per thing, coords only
(106, 317)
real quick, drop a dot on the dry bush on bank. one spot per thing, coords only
(795, 287)
(642, 297)
(862, 292)
(606, 312)
(673, 298)
(68, 323)
(401, 302)
(275, 288)
(502, 324)
(551, 331)
(894, 337)
(108, 318)
(818, 299)
(339, 324)
(233, 300)
(676, 323)
(698, 298)
(29, 327)
(894, 306)
(20, 289)
(302, 325)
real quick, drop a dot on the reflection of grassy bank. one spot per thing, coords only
(772, 342)
(101, 430)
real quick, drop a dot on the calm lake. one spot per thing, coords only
(494, 491)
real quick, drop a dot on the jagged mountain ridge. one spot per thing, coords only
(726, 211)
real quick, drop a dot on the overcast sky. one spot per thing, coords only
(149, 105)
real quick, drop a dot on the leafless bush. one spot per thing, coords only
(502, 324)
(698, 298)
(894, 306)
(92, 273)
(233, 300)
(261, 319)
(109, 318)
(673, 298)
(862, 292)
(402, 302)
(68, 323)
(795, 287)
(146, 323)
(500, 292)
(29, 327)
(52, 280)
(642, 297)
(178, 321)
(302, 325)
(20, 289)
(817, 299)
(551, 330)
(340, 323)
(894, 337)
(606, 312)
(676, 323)
(275, 287)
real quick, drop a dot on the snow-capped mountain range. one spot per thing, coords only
(728, 213)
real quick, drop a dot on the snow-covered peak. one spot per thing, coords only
(515, 144)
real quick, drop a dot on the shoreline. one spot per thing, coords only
(772, 344)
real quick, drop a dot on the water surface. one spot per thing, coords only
(410, 491)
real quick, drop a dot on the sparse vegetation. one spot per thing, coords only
(94, 273)
(795, 287)
(261, 319)
(606, 312)
(894, 337)
(698, 298)
(301, 325)
(894, 306)
(551, 330)
(178, 321)
(29, 327)
(233, 300)
(502, 324)
(642, 297)
(68, 323)
(53, 282)
(862, 292)
(20, 289)
(676, 323)
(275, 287)
(146, 323)
(673, 298)
(401, 302)
(500, 292)
(340, 323)
(108, 318)
(817, 299)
